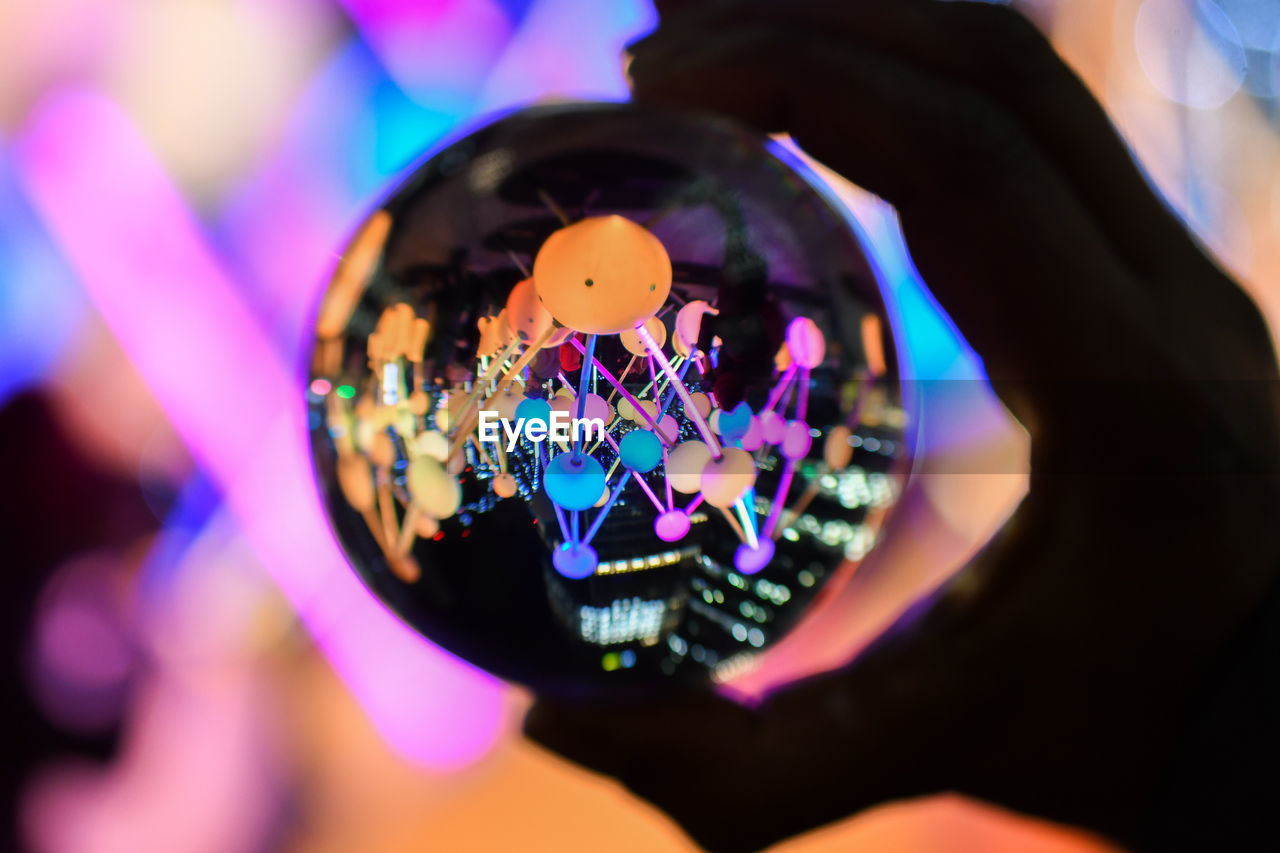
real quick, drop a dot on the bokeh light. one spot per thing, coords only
(175, 183)
(1191, 51)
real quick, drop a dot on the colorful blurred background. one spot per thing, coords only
(190, 666)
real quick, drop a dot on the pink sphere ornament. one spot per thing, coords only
(671, 526)
(796, 440)
(772, 427)
(806, 343)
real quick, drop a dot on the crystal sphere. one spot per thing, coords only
(601, 398)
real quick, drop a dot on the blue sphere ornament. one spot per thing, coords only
(574, 483)
(599, 383)
(640, 450)
(735, 422)
(575, 560)
(534, 411)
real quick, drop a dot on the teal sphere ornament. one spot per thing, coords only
(574, 483)
(640, 450)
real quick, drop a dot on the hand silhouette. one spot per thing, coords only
(1103, 661)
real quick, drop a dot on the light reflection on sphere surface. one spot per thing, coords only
(708, 305)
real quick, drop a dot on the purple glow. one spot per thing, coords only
(283, 225)
(655, 352)
(143, 263)
(575, 560)
(779, 498)
(776, 394)
(567, 49)
(78, 643)
(751, 560)
(440, 51)
(627, 395)
(37, 323)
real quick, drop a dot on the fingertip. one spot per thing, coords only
(727, 75)
(573, 735)
(549, 725)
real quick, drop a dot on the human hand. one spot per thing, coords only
(1057, 674)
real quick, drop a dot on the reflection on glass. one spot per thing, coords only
(601, 397)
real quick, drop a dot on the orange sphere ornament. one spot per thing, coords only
(602, 275)
(525, 313)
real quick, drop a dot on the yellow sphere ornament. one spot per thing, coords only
(685, 464)
(433, 444)
(689, 325)
(434, 490)
(701, 404)
(602, 275)
(630, 339)
(426, 526)
(565, 404)
(650, 409)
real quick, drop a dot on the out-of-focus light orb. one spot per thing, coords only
(1275, 189)
(1190, 51)
(585, 376)
(1256, 21)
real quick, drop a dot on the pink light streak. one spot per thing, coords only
(143, 262)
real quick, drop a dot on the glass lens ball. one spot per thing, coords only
(602, 398)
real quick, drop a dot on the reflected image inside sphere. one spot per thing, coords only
(601, 398)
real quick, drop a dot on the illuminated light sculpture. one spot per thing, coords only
(577, 381)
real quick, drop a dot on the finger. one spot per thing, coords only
(1044, 102)
(732, 778)
(1008, 248)
(1021, 683)
(693, 757)
(999, 53)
